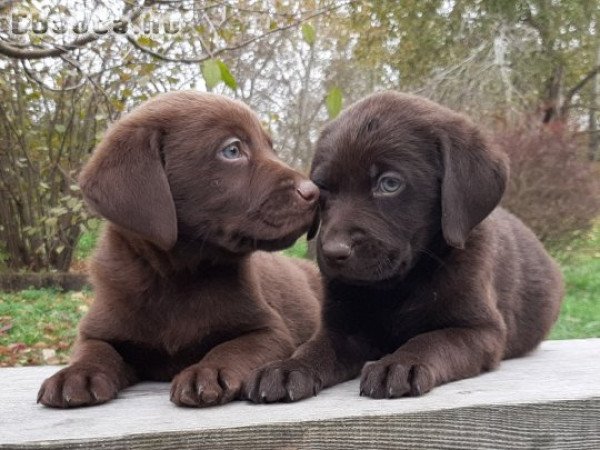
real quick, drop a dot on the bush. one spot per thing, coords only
(552, 187)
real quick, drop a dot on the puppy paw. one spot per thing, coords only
(75, 386)
(395, 377)
(282, 381)
(199, 386)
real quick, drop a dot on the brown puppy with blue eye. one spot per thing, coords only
(192, 191)
(425, 276)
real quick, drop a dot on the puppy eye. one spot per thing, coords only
(389, 184)
(231, 151)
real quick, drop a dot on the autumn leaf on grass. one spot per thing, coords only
(5, 324)
(49, 356)
(17, 347)
(63, 345)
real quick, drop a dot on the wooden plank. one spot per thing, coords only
(550, 399)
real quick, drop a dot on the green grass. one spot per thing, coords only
(298, 250)
(88, 239)
(38, 319)
(580, 312)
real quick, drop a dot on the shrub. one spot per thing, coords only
(552, 187)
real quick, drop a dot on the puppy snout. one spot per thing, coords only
(308, 191)
(336, 251)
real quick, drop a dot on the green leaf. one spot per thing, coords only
(334, 101)
(60, 128)
(146, 41)
(211, 73)
(147, 69)
(308, 33)
(226, 75)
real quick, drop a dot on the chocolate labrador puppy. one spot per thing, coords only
(423, 272)
(191, 189)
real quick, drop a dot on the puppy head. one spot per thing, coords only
(395, 171)
(190, 168)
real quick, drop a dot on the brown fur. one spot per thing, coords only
(425, 275)
(181, 291)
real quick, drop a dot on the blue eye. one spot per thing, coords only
(389, 184)
(232, 151)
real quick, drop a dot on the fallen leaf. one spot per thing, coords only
(78, 295)
(17, 347)
(62, 345)
(48, 353)
(4, 327)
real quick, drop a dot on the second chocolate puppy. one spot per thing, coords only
(424, 274)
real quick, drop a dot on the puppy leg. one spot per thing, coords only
(433, 358)
(326, 359)
(96, 373)
(218, 377)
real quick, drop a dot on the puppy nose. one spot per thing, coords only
(308, 191)
(337, 251)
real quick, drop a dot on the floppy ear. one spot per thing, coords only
(315, 226)
(473, 182)
(125, 182)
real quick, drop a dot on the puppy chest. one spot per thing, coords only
(175, 332)
(151, 362)
(387, 323)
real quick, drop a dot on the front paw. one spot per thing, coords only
(77, 385)
(395, 377)
(199, 386)
(282, 381)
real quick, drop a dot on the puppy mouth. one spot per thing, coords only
(271, 223)
(361, 271)
(270, 234)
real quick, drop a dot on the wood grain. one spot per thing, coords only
(550, 399)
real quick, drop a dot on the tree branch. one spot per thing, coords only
(238, 46)
(6, 4)
(12, 51)
(575, 89)
(30, 75)
(18, 53)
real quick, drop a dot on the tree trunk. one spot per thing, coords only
(553, 110)
(594, 143)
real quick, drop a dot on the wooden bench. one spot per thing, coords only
(550, 399)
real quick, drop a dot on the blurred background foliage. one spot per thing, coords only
(527, 71)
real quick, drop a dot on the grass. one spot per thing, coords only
(580, 312)
(298, 250)
(87, 240)
(38, 326)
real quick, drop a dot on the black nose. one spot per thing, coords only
(336, 251)
(308, 191)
